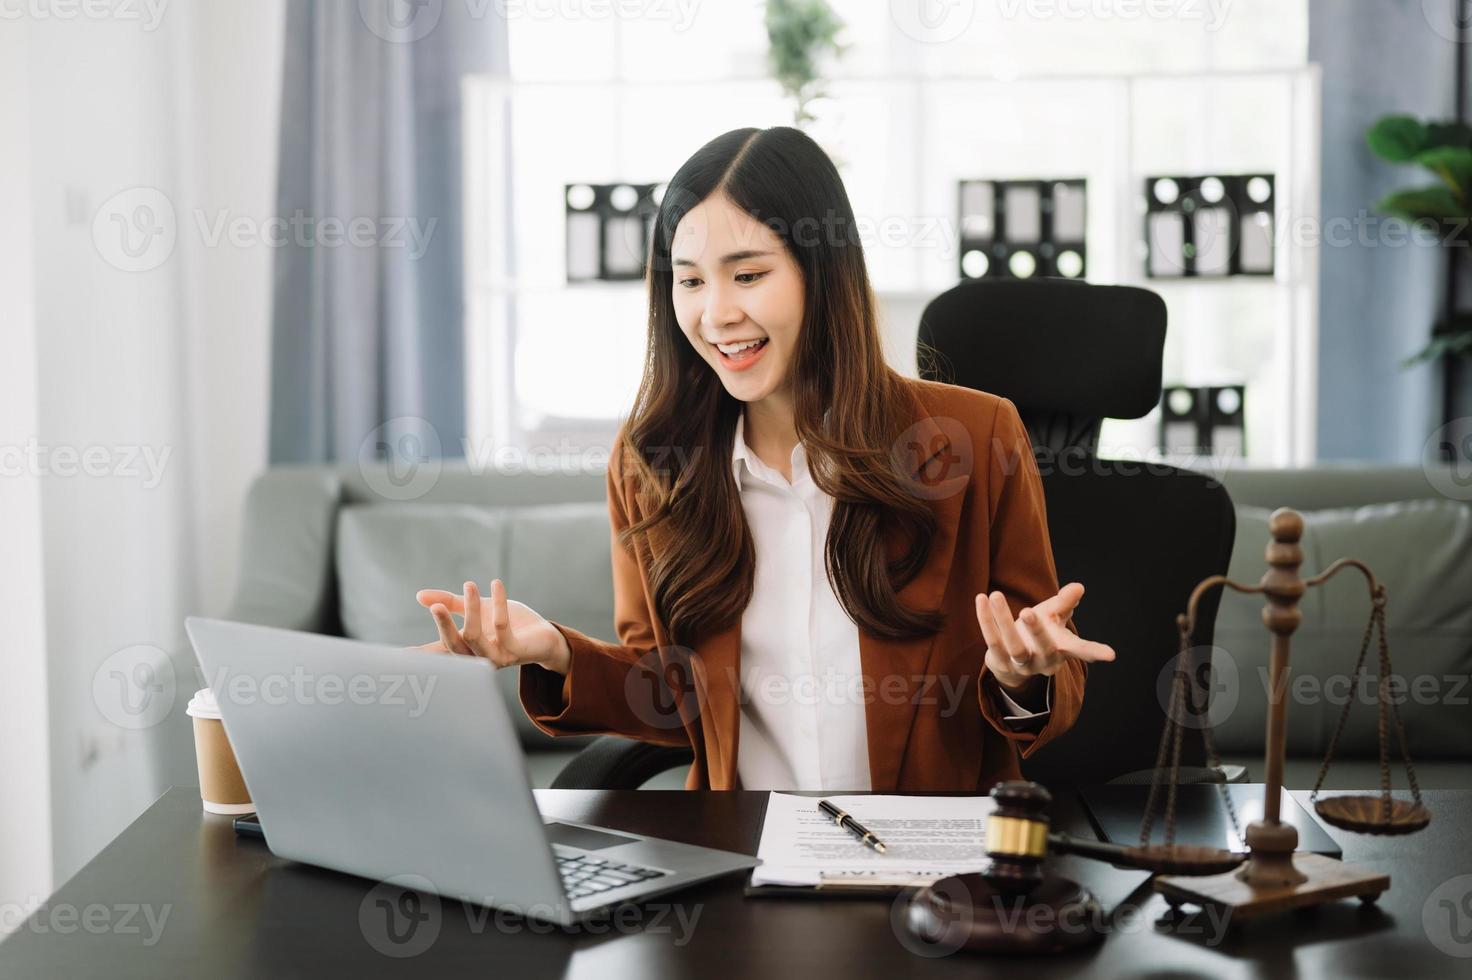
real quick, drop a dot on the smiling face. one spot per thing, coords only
(735, 283)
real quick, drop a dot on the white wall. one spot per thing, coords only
(157, 368)
(231, 77)
(25, 805)
(102, 119)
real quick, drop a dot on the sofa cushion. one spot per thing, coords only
(286, 552)
(1422, 551)
(554, 558)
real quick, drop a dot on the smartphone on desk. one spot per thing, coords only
(249, 825)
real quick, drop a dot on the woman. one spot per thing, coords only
(826, 575)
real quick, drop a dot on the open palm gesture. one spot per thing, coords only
(1036, 643)
(505, 632)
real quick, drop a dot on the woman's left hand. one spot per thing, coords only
(1035, 645)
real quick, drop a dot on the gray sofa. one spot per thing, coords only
(342, 550)
(1419, 544)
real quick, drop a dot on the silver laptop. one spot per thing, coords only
(402, 764)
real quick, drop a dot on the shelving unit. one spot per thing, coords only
(902, 143)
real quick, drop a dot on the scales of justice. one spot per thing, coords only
(1273, 877)
(971, 910)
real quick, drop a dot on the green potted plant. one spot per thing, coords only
(801, 33)
(1445, 149)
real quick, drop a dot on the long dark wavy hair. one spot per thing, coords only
(702, 554)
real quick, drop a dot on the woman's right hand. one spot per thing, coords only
(505, 632)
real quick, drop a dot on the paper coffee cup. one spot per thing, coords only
(221, 788)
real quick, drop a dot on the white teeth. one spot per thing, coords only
(738, 348)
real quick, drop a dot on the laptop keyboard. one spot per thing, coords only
(584, 874)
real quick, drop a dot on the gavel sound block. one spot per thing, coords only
(1015, 905)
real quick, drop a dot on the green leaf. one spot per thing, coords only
(1397, 138)
(1448, 134)
(1446, 345)
(1423, 202)
(800, 33)
(1453, 164)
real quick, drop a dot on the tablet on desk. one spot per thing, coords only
(1201, 816)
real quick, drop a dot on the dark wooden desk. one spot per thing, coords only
(233, 909)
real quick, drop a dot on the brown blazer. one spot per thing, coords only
(932, 720)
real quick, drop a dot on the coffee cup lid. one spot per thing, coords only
(203, 705)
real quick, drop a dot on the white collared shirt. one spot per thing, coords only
(802, 699)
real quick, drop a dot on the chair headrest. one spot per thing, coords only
(1050, 345)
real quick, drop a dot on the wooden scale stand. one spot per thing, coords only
(1274, 877)
(975, 911)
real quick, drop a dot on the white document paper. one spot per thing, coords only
(925, 838)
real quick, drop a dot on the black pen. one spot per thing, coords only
(851, 825)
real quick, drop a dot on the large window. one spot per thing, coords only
(1015, 90)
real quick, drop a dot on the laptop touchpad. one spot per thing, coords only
(587, 839)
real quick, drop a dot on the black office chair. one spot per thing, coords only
(611, 762)
(1070, 354)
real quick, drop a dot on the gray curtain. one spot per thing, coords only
(367, 333)
(1377, 301)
